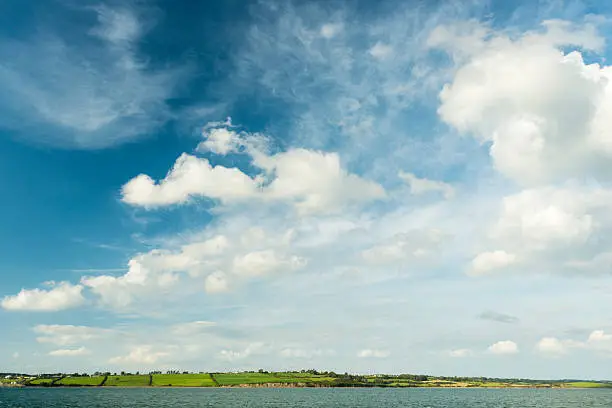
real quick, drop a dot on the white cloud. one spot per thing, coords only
(90, 96)
(549, 216)
(490, 261)
(405, 246)
(330, 30)
(145, 355)
(119, 291)
(504, 347)
(316, 181)
(252, 348)
(373, 353)
(261, 263)
(192, 328)
(189, 177)
(60, 296)
(81, 351)
(559, 132)
(290, 352)
(381, 51)
(424, 185)
(216, 261)
(598, 341)
(216, 282)
(460, 353)
(220, 141)
(551, 346)
(313, 181)
(562, 229)
(158, 269)
(65, 335)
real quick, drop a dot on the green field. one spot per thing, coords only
(42, 381)
(127, 381)
(586, 384)
(263, 378)
(81, 381)
(245, 378)
(183, 380)
(304, 379)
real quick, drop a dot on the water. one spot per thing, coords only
(302, 398)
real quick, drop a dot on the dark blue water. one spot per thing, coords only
(303, 397)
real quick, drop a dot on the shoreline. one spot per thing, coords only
(284, 386)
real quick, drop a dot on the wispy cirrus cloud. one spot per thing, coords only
(86, 88)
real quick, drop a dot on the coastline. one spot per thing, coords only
(284, 386)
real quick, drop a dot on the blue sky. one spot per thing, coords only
(395, 187)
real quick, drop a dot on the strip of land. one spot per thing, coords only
(310, 378)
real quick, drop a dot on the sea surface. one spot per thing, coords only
(303, 397)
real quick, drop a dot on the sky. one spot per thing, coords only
(371, 187)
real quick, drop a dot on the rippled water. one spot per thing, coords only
(303, 397)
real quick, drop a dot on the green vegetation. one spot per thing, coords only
(310, 378)
(43, 381)
(128, 381)
(182, 380)
(81, 381)
(245, 378)
(587, 384)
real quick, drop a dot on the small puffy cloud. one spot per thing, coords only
(504, 347)
(424, 185)
(145, 355)
(220, 141)
(600, 341)
(61, 296)
(460, 353)
(599, 336)
(373, 353)
(491, 261)
(81, 351)
(190, 176)
(65, 335)
(381, 51)
(551, 346)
